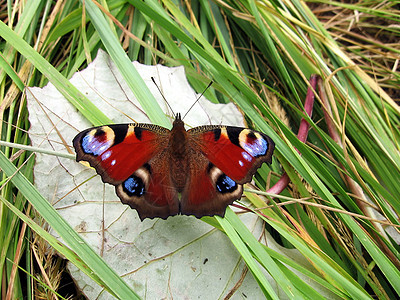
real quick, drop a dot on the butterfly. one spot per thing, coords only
(161, 172)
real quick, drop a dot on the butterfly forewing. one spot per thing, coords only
(237, 151)
(116, 151)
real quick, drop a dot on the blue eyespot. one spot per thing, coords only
(225, 184)
(256, 147)
(94, 145)
(134, 186)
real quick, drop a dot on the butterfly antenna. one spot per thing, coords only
(197, 100)
(162, 95)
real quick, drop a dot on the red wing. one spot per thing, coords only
(238, 152)
(150, 190)
(132, 157)
(208, 190)
(117, 151)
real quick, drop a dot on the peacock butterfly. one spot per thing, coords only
(161, 172)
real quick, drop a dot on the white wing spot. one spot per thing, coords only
(247, 156)
(106, 155)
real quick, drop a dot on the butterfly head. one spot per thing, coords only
(178, 121)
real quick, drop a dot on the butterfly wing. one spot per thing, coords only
(222, 159)
(208, 190)
(135, 158)
(150, 190)
(130, 157)
(237, 151)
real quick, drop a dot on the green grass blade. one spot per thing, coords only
(91, 112)
(111, 280)
(123, 63)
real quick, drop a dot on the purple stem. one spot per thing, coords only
(283, 182)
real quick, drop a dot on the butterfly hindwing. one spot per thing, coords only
(150, 191)
(208, 190)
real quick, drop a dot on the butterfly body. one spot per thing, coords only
(161, 172)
